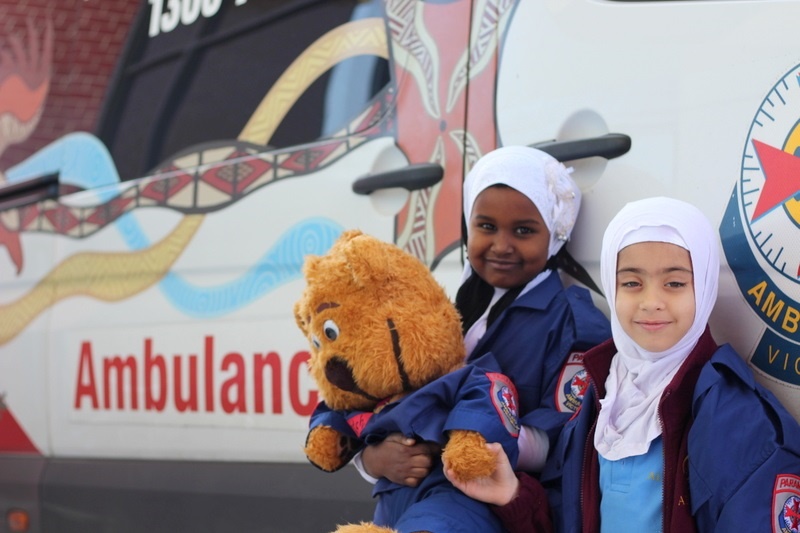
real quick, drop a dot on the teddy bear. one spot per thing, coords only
(387, 356)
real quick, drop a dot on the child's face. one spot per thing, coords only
(508, 239)
(655, 301)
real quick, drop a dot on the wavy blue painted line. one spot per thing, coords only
(280, 264)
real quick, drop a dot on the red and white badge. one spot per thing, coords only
(572, 384)
(504, 399)
(786, 504)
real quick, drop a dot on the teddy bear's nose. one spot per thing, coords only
(338, 373)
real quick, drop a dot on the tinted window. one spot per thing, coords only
(186, 82)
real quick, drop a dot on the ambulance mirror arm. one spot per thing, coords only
(608, 146)
(412, 178)
(20, 193)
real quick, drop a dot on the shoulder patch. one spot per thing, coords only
(357, 421)
(786, 504)
(504, 399)
(572, 384)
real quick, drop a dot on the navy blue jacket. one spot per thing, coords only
(474, 397)
(532, 341)
(731, 452)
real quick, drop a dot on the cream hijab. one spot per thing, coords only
(628, 420)
(537, 175)
(546, 182)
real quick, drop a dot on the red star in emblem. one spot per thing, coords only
(581, 383)
(792, 513)
(781, 177)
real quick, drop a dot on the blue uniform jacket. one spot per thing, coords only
(476, 397)
(532, 341)
(741, 446)
(750, 482)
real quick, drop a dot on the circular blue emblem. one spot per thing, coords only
(790, 515)
(761, 228)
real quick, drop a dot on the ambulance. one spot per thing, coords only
(166, 165)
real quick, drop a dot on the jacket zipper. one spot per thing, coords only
(666, 394)
(587, 452)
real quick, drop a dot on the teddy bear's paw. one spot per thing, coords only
(328, 449)
(363, 527)
(466, 453)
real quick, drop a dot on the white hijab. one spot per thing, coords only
(628, 419)
(545, 181)
(537, 175)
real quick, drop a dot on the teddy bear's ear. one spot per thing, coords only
(310, 264)
(301, 315)
(314, 264)
(342, 242)
(368, 259)
(349, 235)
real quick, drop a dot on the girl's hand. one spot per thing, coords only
(400, 459)
(499, 488)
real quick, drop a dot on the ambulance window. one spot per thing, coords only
(184, 81)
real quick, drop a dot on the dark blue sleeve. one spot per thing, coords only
(744, 452)
(487, 402)
(563, 472)
(579, 327)
(338, 420)
(591, 325)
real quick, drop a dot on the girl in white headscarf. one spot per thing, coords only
(520, 205)
(659, 267)
(641, 371)
(679, 436)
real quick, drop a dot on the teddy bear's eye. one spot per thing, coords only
(331, 330)
(315, 341)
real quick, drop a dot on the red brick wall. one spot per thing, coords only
(88, 38)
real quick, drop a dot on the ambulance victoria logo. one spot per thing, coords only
(790, 515)
(761, 228)
(504, 398)
(786, 504)
(572, 384)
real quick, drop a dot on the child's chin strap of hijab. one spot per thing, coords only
(547, 183)
(628, 419)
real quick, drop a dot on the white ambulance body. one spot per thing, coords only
(151, 374)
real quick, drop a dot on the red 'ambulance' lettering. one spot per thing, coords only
(177, 385)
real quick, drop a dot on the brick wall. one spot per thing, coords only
(88, 37)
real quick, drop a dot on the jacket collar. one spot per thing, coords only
(536, 299)
(539, 297)
(597, 362)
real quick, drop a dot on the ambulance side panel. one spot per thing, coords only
(697, 86)
(151, 374)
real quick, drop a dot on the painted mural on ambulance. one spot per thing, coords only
(202, 148)
(160, 223)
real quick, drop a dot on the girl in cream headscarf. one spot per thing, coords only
(520, 205)
(678, 435)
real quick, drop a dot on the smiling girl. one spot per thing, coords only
(520, 205)
(674, 433)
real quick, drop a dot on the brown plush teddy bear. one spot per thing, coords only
(387, 355)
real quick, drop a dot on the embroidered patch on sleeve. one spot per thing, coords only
(786, 504)
(504, 399)
(357, 422)
(572, 384)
